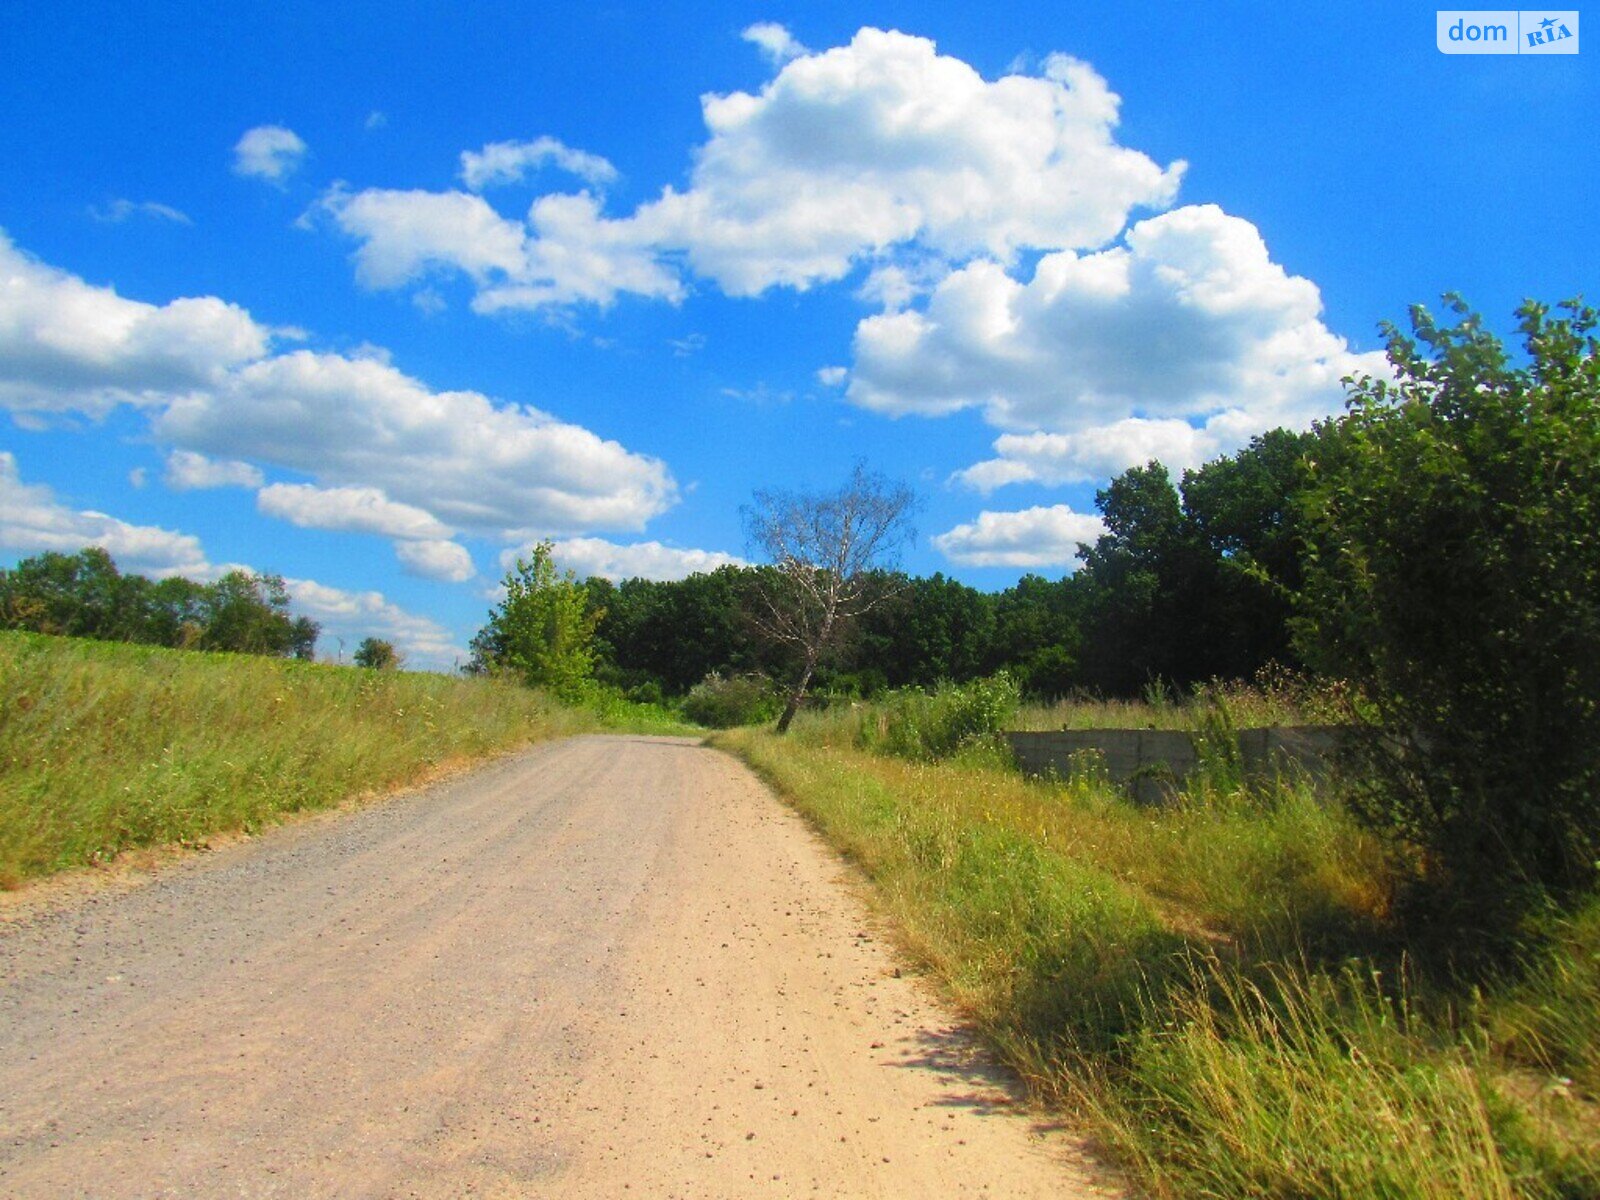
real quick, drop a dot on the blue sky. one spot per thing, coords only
(372, 296)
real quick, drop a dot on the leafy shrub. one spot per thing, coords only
(722, 703)
(925, 726)
(1455, 581)
(543, 630)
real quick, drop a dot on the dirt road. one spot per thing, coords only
(610, 966)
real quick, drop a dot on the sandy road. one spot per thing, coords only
(609, 966)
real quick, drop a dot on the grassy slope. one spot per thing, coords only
(105, 747)
(1213, 986)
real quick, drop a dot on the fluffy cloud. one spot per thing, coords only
(565, 253)
(189, 472)
(853, 151)
(33, 520)
(576, 254)
(640, 560)
(845, 156)
(439, 559)
(351, 616)
(1189, 324)
(1059, 458)
(1034, 537)
(67, 345)
(456, 460)
(776, 42)
(469, 463)
(351, 509)
(510, 162)
(406, 235)
(268, 152)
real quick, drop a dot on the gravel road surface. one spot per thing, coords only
(609, 966)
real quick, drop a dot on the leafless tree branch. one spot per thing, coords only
(822, 547)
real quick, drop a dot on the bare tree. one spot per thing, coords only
(823, 547)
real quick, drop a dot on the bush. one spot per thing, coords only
(924, 726)
(543, 630)
(737, 700)
(1454, 579)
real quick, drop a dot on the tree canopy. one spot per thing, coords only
(1454, 575)
(85, 595)
(544, 629)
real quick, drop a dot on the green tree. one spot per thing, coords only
(927, 629)
(377, 655)
(75, 595)
(1139, 577)
(249, 614)
(674, 633)
(544, 629)
(1455, 577)
(1246, 509)
(1038, 635)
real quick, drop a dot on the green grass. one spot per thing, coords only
(1217, 988)
(106, 747)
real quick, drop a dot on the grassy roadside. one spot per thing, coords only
(1215, 988)
(105, 747)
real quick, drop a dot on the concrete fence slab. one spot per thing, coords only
(1152, 763)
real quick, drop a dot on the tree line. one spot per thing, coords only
(1191, 581)
(85, 595)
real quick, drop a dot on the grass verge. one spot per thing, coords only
(105, 747)
(1216, 988)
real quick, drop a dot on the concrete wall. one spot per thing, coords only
(1151, 763)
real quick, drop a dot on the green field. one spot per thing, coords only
(106, 747)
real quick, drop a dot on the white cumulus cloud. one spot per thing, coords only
(776, 42)
(638, 560)
(353, 615)
(565, 253)
(351, 509)
(189, 472)
(269, 152)
(470, 463)
(1183, 342)
(853, 151)
(217, 396)
(71, 346)
(405, 235)
(1034, 537)
(436, 558)
(846, 156)
(1060, 458)
(510, 162)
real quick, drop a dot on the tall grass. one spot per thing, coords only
(930, 725)
(1306, 1084)
(1275, 697)
(105, 747)
(1217, 986)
